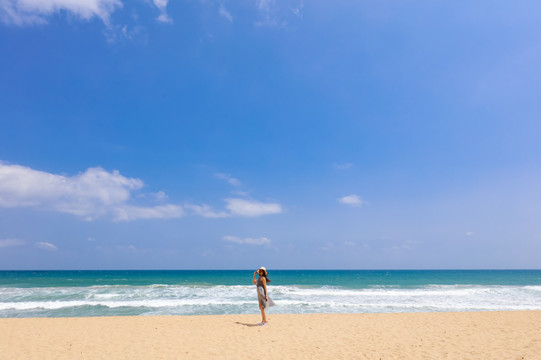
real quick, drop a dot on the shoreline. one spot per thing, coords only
(257, 314)
(471, 335)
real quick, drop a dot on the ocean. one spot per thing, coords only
(193, 292)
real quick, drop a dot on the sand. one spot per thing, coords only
(476, 335)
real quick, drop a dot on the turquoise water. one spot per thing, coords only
(191, 292)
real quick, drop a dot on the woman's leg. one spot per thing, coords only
(263, 315)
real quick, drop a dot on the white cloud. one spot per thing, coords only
(226, 14)
(24, 12)
(90, 195)
(227, 177)
(469, 233)
(236, 207)
(97, 193)
(206, 211)
(164, 18)
(129, 213)
(251, 208)
(162, 6)
(160, 196)
(349, 243)
(352, 200)
(11, 242)
(252, 241)
(44, 245)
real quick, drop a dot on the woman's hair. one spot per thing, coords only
(266, 276)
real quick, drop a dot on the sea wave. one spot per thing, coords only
(104, 300)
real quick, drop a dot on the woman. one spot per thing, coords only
(262, 296)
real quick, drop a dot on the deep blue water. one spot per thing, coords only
(354, 279)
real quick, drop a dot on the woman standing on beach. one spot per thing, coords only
(262, 296)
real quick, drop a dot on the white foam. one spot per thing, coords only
(191, 299)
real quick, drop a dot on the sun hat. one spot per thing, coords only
(263, 268)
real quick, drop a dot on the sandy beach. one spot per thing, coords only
(477, 335)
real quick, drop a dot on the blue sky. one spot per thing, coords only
(292, 134)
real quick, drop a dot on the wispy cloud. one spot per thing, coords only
(92, 194)
(25, 12)
(227, 177)
(225, 13)
(236, 207)
(162, 6)
(327, 246)
(407, 245)
(125, 32)
(44, 245)
(251, 208)
(251, 241)
(267, 13)
(241, 193)
(160, 196)
(206, 211)
(297, 10)
(4, 243)
(272, 13)
(351, 200)
(130, 212)
(127, 249)
(343, 166)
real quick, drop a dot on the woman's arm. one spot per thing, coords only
(253, 280)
